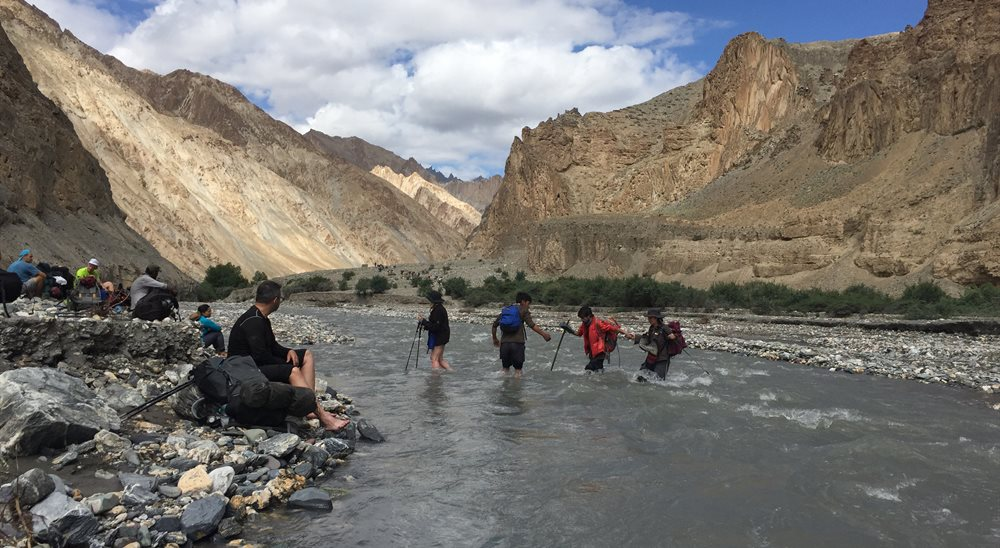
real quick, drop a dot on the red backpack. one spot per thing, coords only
(677, 345)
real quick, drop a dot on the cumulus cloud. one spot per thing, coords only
(89, 20)
(449, 83)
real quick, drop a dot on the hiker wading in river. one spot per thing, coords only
(656, 342)
(438, 330)
(593, 330)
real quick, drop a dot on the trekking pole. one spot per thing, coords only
(416, 361)
(413, 344)
(557, 350)
(129, 414)
(696, 363)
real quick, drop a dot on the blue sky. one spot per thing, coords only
(451, 83)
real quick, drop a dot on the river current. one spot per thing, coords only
(728, 451)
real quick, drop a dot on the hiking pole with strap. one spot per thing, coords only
(416, 361)
(696, 363)
(129, 414)
(565, 329)
(412, 345)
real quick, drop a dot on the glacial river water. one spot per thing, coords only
(752, 453)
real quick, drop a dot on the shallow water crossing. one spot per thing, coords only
(749, 453)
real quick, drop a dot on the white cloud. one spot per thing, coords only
(449, 83)
(87, 20)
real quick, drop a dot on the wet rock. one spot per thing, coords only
(316, 456)
(336, 447)
(304, 469)
(109, 442)
(47, 408)
(279, 445)
(202, 517)
(182, 464)
(102, 503)
(255, 435)
(369, 432)
(61, 520)
(230, 528)
(349, 432)
(311, 498)
(31, 487)
(167, 524)
(169, 491)
(66, 458)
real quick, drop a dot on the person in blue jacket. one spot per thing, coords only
(32, 279)
(211, 332)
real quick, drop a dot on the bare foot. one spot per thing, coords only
(333, 424)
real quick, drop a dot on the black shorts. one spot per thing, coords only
(512, 355)
(596, 363)
(280, 372)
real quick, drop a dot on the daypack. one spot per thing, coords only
(675, 346)
(610, 340)
(248, 396)
(10, 287)
(510, 319)
(156, 305)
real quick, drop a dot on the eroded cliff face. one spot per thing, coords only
(54, 196)
(208, 177)
(827, 164)
(439, 203)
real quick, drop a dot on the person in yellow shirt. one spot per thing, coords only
(91, 269)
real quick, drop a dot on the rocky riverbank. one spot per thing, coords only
(932, 352)
(158, 479)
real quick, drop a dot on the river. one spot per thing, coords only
(729, 451)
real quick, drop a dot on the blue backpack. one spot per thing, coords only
(510, 319)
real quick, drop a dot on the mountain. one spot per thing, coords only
(208, 178)
(54, 196)
(822, 164)
(442, 206)
(478, 192)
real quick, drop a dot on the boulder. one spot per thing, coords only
(222, 478)
(47, 408)
(32, 487)
(195, 480)
(311, 498)
(279, 446)
(60, 521)
(146, 482)
(369, 432)
(136, 495)
(202, 517)
(337, 448)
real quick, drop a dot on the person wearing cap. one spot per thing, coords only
(32, 279)
(144, 283)
(593, 329)
(91, 269)
(655, 341)
(438, 330)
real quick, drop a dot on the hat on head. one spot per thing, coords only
(23, 253)
(434, 296)
(654, 313)
(94, 262)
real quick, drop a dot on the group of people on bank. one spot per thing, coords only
(61, 283)
(661, 340)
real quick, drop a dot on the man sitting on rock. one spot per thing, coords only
(91, 269)
(143, 284)
(253, 336)
(32, 279)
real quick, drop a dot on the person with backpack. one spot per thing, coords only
(211, 332)
(252, 335)
(596, 335)
(512, 321)
(91, 270)
(438, 330)
(145, 283)
(658, 342)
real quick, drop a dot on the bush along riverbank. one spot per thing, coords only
(77, 475)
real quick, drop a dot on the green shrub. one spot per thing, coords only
(363, 286)
(456, 287)
(347, 275)
(258, 277)
(207, 292)
(424, 286)
(379, 284)
(342, 285)
(225, 275)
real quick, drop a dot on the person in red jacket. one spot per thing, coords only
(593, 330)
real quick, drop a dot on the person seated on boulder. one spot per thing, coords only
(32, 279)
(252, 335)
(144, 283)
(211, 332)
(91, 269)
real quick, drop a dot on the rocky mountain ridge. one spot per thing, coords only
(54, 196)
(208, 178)
(869, 161)
(442, 206)
(478, 192)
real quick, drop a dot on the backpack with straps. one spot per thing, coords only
(677, 345)
(610, 340)
(510, 319)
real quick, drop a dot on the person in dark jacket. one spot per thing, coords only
(438, 330)
(655, 341)
(253, 336)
